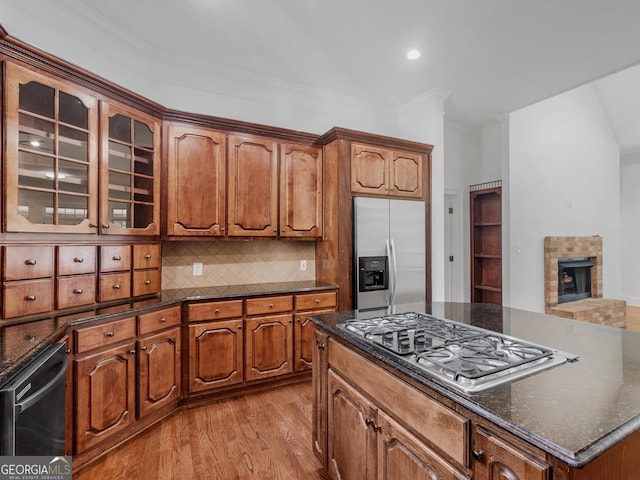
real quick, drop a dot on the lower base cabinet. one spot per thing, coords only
(216, 354)
(105, 395)
(269, 346)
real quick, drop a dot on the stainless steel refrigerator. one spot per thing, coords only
(389, 252)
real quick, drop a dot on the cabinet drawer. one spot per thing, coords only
(147, 256)
(146, 282)
(259, 306)
(27, 297)
(76, 259)
(18, 339)
(214, 310)
(309, 301)
(115, 258)
(114, 286)
(150, 322)
(25, 263)
(89, 338)
(76, 290)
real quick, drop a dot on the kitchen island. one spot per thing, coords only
(576, 420)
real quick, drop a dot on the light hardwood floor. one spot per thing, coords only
(633, 318)
(258, 436)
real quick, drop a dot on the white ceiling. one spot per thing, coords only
(493, 56)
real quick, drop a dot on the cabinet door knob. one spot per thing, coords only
(317, 300)
(30, 262)
(109, 334)
(30, 338)
(144, 347)
(283, 230)
(239, 327)
(478, 454)
(78, 291)
(320, 346)
(271, 305)
(30, 298)
(216, 311)
(222, 229)
(105, 225)
(78, 260)
(275, 230)
(132, 352)
(93, 225)
(117, 286)
(116, 258)
(147, 256)
(163, 320)
(147, 282)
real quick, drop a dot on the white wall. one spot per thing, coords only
(564, 181)
(630, 215)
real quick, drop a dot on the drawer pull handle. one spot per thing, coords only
(271, 305)
(478, 454)
(30, 338)
(147, 256)
(317, 300)
(163, 320)
(117, 286)
(109, 334)
(78, 291)
(30, 262)
(116, 258)
(30, 298)
(216, 311)
(147, 282)
(78, 260)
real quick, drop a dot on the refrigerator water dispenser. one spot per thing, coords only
(374, 273)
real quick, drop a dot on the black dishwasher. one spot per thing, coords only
(32, 409)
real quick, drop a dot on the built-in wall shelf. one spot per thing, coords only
(486, 242)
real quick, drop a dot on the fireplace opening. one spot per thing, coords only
(574, 279)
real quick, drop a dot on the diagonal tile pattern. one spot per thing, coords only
(235, 262)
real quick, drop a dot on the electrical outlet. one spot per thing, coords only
(197, 269)
(303, 265)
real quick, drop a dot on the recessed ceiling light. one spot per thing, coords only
(413, 54)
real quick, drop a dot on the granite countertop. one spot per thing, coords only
(574, 411)
(21, 338)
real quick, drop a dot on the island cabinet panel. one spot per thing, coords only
(300, 191)
(215, 354)
(402, 455)
(494, 459)
(319, 385)
(443, 428)
(158, 370)
(105, 389)
(269, 346)
(252, 198)
(196, 182)
(352, 441)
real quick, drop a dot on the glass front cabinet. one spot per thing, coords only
(76, 164)
(130, 167)
(51, 161)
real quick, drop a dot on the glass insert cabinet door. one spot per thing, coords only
(130, 166)
(51, 161)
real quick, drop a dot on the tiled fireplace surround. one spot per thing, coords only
(595, 309)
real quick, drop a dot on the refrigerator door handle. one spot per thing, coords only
(389, 294)
(394, 269)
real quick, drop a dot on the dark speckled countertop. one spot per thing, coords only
(21, 338)
(574, 411)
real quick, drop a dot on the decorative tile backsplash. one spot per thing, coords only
(235, 262)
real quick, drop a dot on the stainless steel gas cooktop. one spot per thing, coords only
(465, 357)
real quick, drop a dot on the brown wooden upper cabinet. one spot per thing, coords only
(300, 191)
(253, 186)
(51, 158)
(62, 143)
(380, 171)
(196, 178)
(130, 171)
